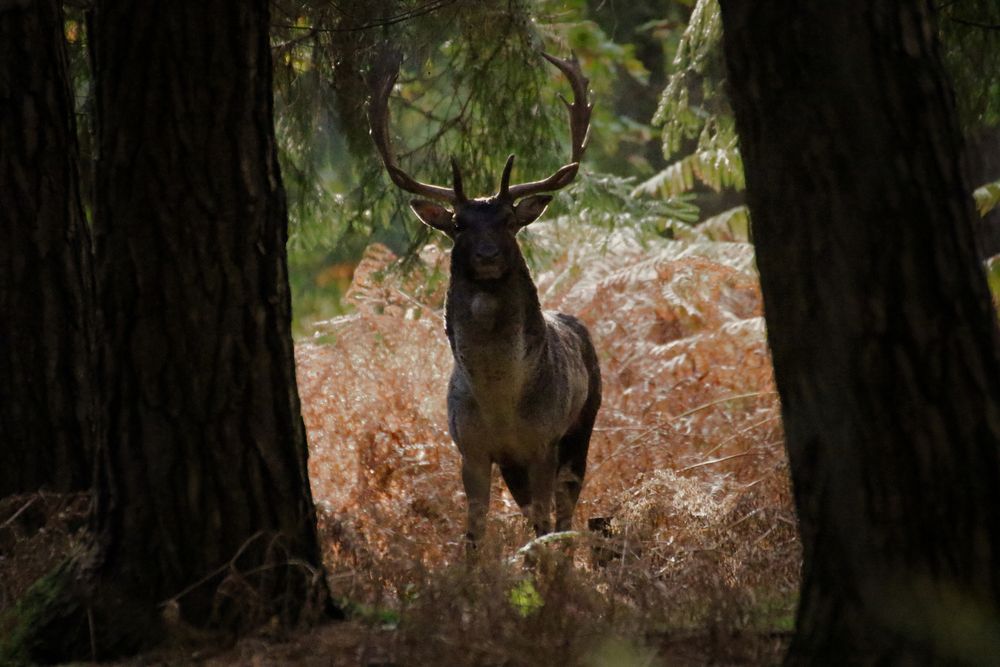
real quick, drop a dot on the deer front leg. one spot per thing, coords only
(476, 473)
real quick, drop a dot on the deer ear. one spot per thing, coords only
(529, 208)
(434, 215)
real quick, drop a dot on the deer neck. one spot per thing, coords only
(496, 331)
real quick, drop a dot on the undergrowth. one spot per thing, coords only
(37, 530)
(686, 552)
(687, 480)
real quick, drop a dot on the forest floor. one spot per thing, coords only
(693, 559)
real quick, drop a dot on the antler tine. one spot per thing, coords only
(378, 122)
(505, 178)
(580, 109)
(579, 125)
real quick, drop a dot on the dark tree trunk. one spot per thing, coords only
(880, 324)
(203, 500)
(47, 397)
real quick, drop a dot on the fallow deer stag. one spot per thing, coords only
(526, 385)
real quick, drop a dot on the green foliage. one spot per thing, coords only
(698, 125)
(718, 168)
(608, 200)
(567, 23)
(385, 618)
(472, 85)
(970, 39)
(987, 197)
(730, 225)
(525, 598)
(614, 135)
(693, 105)
(699, 131)
(50, 622)
(992, 266)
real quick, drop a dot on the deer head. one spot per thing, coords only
(484, 228)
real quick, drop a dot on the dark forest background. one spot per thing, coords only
(222, 361)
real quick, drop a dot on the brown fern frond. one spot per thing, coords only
(687, 457)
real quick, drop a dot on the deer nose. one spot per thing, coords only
(487, 253)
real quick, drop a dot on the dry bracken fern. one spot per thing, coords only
(686, 466)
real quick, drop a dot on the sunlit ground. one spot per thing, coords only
(686, 463)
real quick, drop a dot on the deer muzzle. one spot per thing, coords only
(488, 262)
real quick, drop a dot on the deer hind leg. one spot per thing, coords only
(573, 449)
(476, 473)
(568, 485)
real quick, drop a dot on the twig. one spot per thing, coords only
(214, 573)
(432, 6)
(615, 429)
(621, 565)
(416, 302)
(713, 461)
(764, 535)
(744, 518)
(294, 41)
(741, 432)
(975, 24)
(549, 538)
(20, 511)
(298, 562)
(624, 447)
(724, 399)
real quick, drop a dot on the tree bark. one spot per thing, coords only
(47, 394)
(881, 328)
(203, 500)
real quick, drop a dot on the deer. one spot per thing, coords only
(525, 386)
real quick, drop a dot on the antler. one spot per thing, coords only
(378, 121)
(579, 125)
